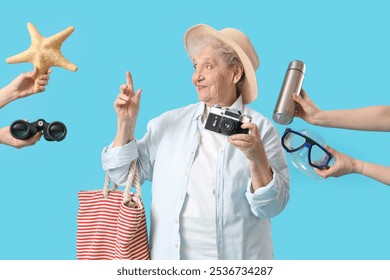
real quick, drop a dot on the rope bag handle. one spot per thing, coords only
(132, 180)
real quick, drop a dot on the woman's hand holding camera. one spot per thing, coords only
(252, 146)
(126, 107)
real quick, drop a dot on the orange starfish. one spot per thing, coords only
(45, 52)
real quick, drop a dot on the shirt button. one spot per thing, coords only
(176, 221)
(176, 246)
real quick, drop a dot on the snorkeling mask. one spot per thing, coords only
(306, 151)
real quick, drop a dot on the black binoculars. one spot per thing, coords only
(54, 131)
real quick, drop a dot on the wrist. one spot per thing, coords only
(5, 136)
(2, 136)
(257, 164)
(358, 166)
(319, 118)
(261, 174)
(7, 95)
(125, 133)
(260, 162)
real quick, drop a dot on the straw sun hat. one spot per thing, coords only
(240, 43)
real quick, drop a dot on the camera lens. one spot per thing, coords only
(20, 130)
(56, 131)
(228, 126)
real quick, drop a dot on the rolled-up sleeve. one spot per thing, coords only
(270, 200)
(116, 161)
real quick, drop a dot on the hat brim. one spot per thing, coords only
(249, 89)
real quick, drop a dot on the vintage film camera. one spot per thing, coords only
(225, 121)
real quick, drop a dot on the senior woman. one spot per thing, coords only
(212, 195)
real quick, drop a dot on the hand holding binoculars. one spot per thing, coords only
(22, 130)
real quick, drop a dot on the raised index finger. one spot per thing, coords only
(129, 80)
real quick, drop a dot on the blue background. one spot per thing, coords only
(343, 43)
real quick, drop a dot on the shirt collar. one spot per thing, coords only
(199, 110)
(238, 105)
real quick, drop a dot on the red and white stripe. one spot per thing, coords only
(108, 230)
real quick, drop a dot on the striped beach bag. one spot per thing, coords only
(111, 224)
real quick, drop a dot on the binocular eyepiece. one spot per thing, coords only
(22, 130)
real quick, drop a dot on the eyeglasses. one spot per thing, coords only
(318, 156)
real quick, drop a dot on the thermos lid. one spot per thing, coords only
(297, 65)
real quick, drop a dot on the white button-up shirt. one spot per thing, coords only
(198, 234)
(165, 156)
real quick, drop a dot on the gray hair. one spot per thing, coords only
(228, 55)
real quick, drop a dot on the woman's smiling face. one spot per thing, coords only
(213, 78)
